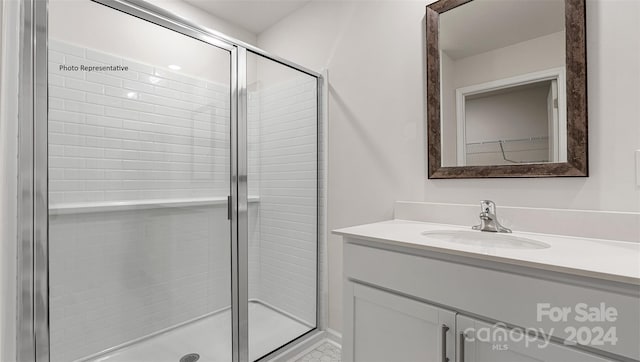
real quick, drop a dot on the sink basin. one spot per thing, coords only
(485, 239)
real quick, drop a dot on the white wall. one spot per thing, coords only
(529, 56)
(203, 19)
(375, 55)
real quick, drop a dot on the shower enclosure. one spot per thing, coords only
(175, 187)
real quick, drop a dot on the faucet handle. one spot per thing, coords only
(488, 206)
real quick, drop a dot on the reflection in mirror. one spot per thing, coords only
(502, 83)
(510, 125)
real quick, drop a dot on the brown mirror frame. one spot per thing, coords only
(576, 88)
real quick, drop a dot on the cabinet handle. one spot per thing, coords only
(463, 339)
(445, 329)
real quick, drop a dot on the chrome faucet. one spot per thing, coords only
(488, 219)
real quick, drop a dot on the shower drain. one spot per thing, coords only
(191, 357)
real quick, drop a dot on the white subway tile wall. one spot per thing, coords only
(145, 133)
(288, 180)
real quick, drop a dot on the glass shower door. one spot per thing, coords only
(139, 173)
(282, 119)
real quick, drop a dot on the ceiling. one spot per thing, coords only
(253, 15)
(483, 25)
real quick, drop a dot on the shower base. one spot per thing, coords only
(210, 338)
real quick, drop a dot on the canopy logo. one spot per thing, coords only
(499, 336)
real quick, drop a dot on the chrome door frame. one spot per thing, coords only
(32, 253)
(240, 250)
(33, 269)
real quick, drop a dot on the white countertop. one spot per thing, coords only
(596, 258)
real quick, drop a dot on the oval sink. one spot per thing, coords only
(485, 239)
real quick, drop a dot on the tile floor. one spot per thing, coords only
(326, 352)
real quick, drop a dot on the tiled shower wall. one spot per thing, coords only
(288, 193)
(118, 276)
(126, 136)
(146, 133)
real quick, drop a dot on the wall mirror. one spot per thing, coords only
(506, 88)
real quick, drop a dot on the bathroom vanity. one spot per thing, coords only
(417, 291)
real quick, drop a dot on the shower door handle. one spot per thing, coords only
(229, 207)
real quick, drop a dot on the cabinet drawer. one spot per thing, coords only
(497, 295)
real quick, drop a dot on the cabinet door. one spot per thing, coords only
(479, 341)
(382, 326)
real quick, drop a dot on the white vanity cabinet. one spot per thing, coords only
(405, 304)
(383, 326)
(478, 341)
(386, 327)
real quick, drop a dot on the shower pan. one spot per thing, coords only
(173, 194)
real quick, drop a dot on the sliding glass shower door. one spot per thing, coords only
(139, 126)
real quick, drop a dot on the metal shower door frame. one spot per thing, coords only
(33, 244)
